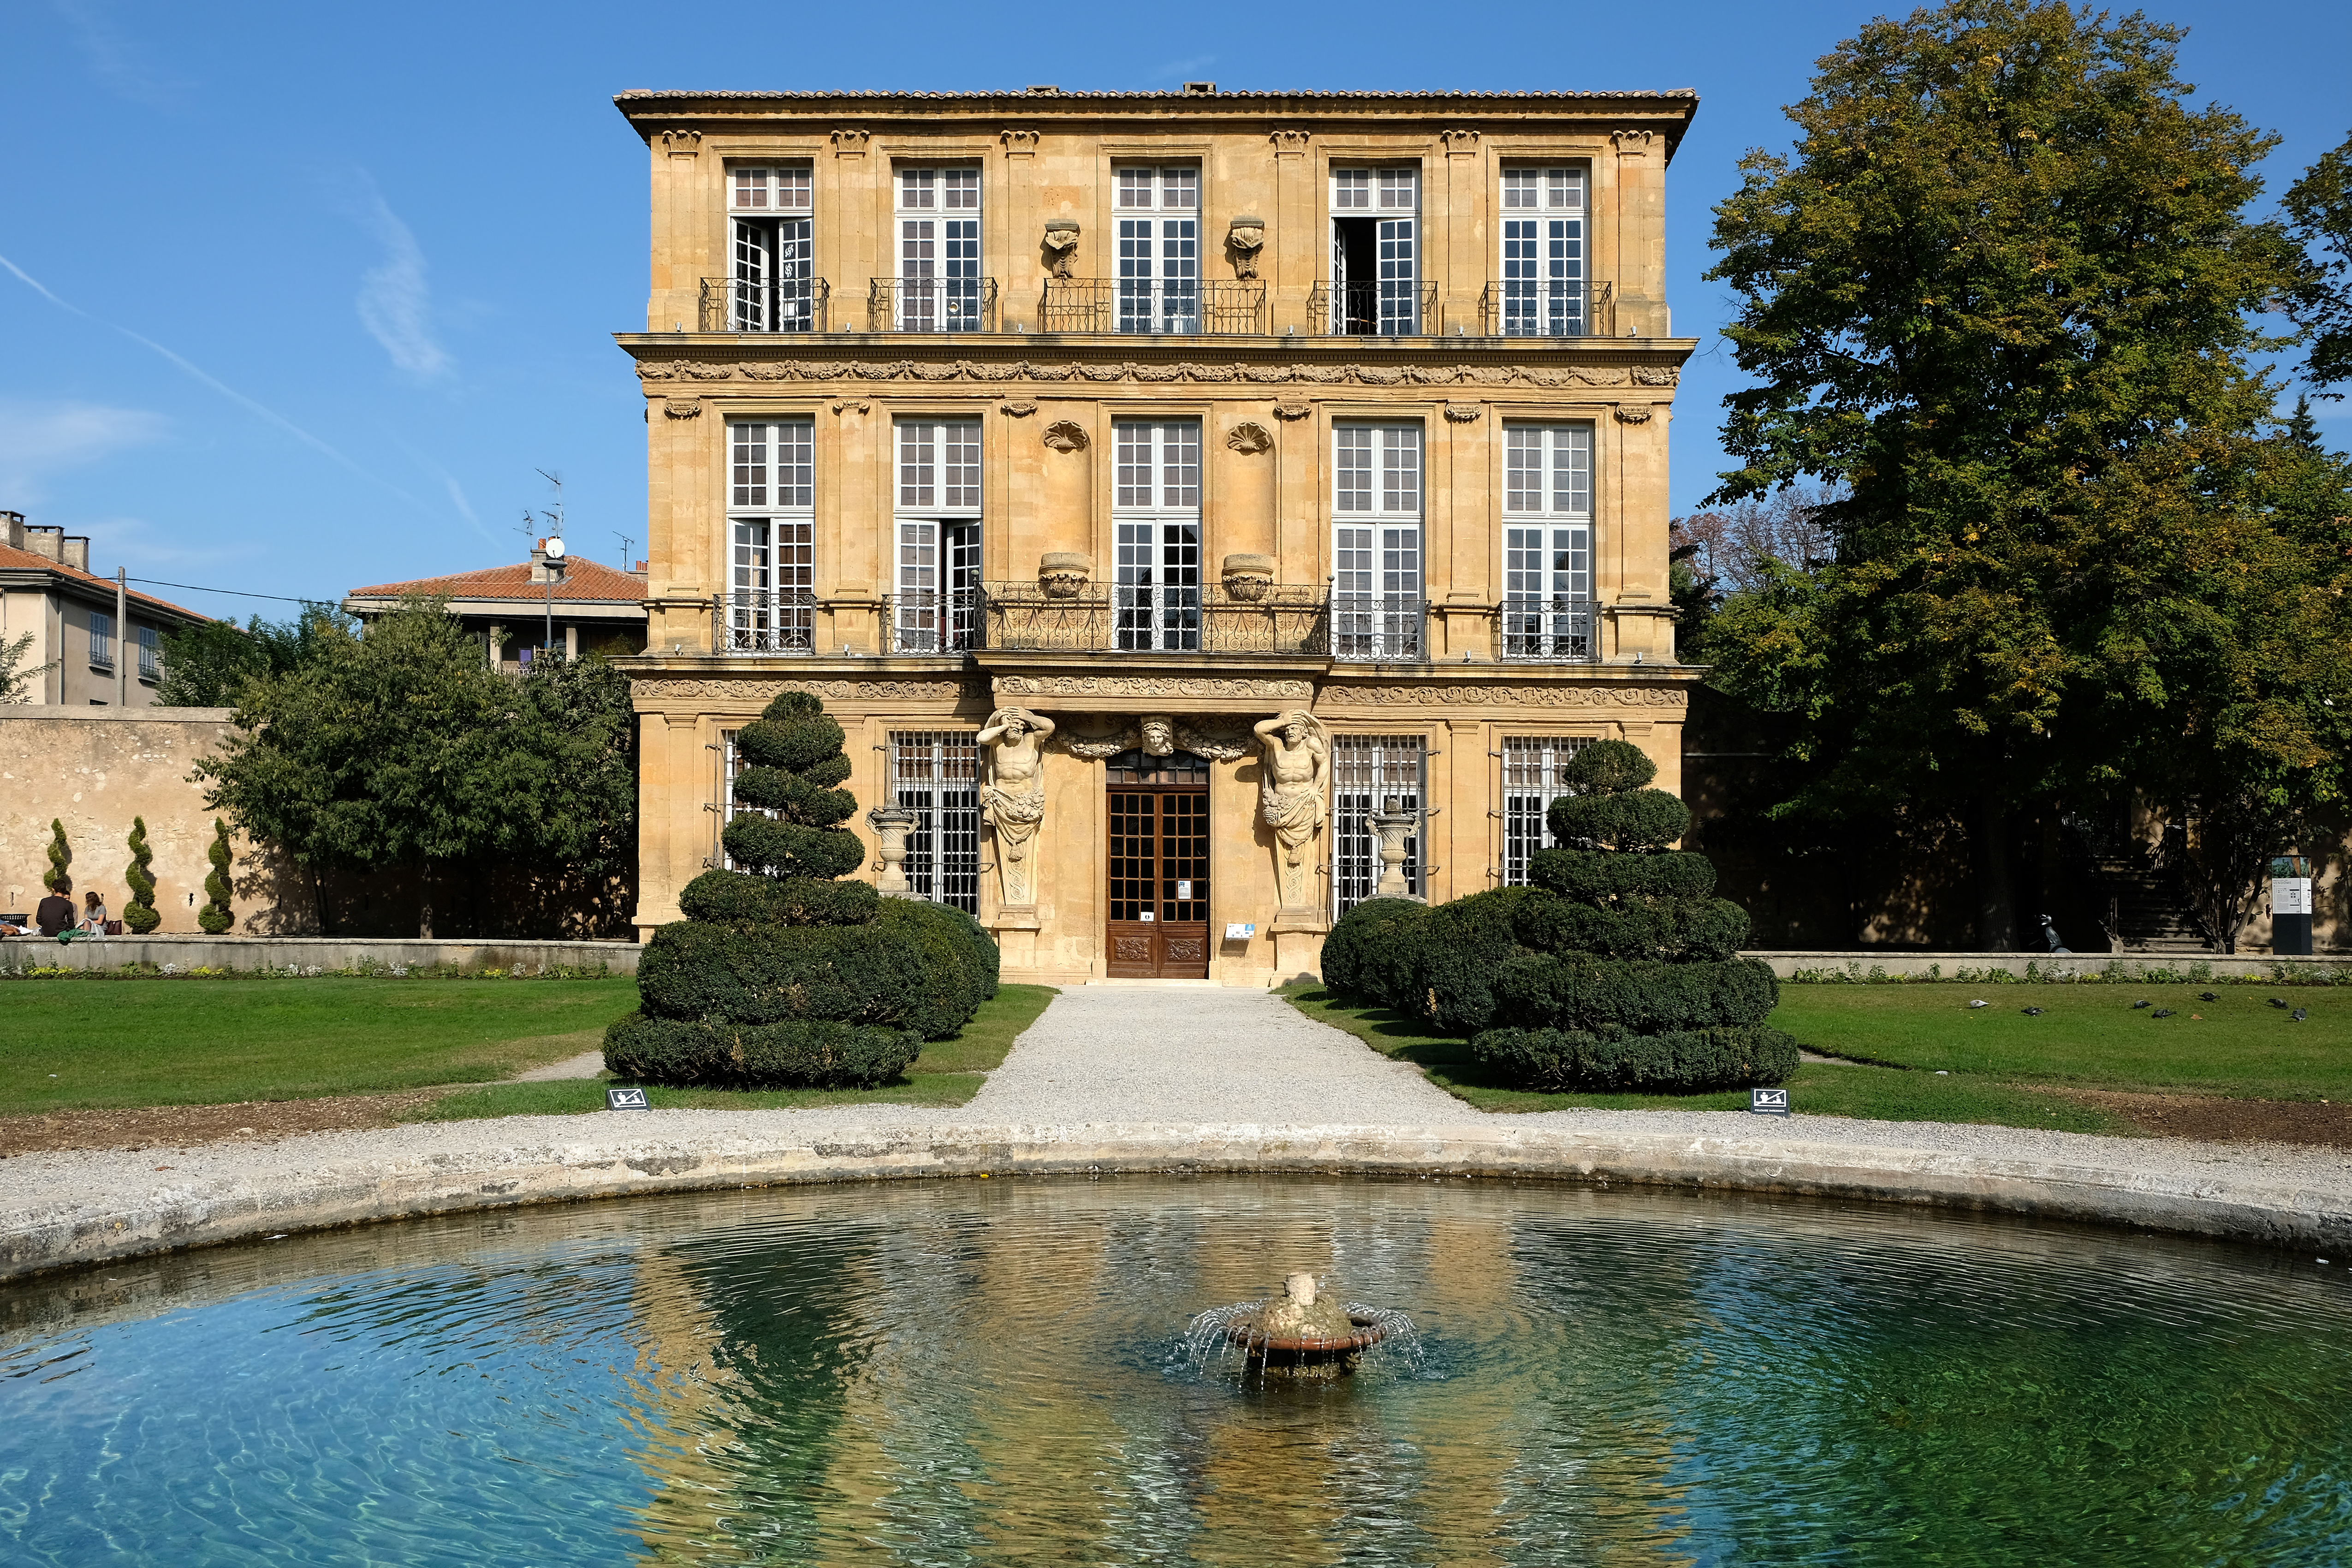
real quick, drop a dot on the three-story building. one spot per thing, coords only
(1156, 416)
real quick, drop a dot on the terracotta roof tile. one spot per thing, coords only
(15, 560)
(586, 580)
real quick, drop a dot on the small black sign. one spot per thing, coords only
(626, 1100)
(1762, 1101)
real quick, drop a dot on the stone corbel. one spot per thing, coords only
(681, 144)
(1289, 143)
(1459, 143)
(1018, 143)
(851, 143)
(1291, 411)
(1632, 143)
(1463, 412)
(1634, 412)
(1017, 410)
(681, 408)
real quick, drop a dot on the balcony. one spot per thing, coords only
(1142, 619)
(1549, 630)
(791, 305)
(1392, 309)
(1545, 307)
(931, 305)
(931, 621)
(1177, 308)
(764, 621)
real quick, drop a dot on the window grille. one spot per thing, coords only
(1366, 770)
(1156, 519)
(1531, 782)
(935, 773)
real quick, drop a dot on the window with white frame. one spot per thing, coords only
(939, 286)
(773, 285)
(772, 528)
(1367, 772)
(1159, 222)
(101, 640)
(1156, 529)
(934, 606)
(1376, 561)
(1376, 252)
(935, 773)
(1548, 610)
(1543, 282)
(1531, 782)
(731, 766)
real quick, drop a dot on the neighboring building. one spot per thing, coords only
(592, 608)
(102, 640)
(1159, 414)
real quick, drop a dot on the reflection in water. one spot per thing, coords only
(990, 1372)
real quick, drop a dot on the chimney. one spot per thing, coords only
(77, 551)
(45, 541)
(640, 572)
(12, 530)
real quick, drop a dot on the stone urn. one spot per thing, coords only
(1248, 577)
(1064, 573)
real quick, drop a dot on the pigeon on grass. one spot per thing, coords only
(2208, 996)
(2300, 1013)
(2031, 1012)
(2141, 1003)
(2161, 1013)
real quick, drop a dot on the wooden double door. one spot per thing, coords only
(1158, 863)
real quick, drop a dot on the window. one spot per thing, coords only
(731, 766)
(935, 773)
(1156, 522)
(771, 502)
(1159, 222)
(1375, 584)
(939, 286)
(773, 286)
(1375, 252)
(1368, 771)
(935, 606)
(1543, 253)
(151, 654)
(101, 641)
(1548, 543)
(1531, 766)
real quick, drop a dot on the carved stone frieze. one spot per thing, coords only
(1159, 735)
(1511, 696)
(1083, 686)
(747, 689)
(1249, 438)
(1654, 375)
(1065, 436)
(1271, 375)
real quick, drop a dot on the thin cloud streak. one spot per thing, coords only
(37, 439)
(395, 302)
(112, 58)
(232, 394)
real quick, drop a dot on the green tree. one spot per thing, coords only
(16, 679)
(2319, 213)
(207, 665)
(2002, 288)
(215, 916)
(60, 880)
(139, 912)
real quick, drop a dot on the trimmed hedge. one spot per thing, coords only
(738, 899)
(1579, 990)
(1677, 1061)
(1463, 946)
(1638, 819)
(953, 973)
(1707, 929)
(1594, 875)
(811, 1053)
(1373, 952)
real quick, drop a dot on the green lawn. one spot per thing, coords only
(949, 1072)
(105, 1044)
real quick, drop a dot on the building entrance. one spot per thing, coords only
(1158, 926)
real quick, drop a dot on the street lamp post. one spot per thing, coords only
(553, 569)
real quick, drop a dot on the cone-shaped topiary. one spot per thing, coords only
(139, 914)
(1618, 970)
(780, 975)
(60, 881)
(214, 917)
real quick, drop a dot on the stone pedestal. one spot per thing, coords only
(1394, 825)
(891, 823)
(1298, 936)
(1015, 927)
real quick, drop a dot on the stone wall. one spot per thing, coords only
(315, 956)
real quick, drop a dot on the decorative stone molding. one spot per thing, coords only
(1463, 412)
(1083, 686)
(1250, 438)
(681, 408)
(851, 406)
(1018, 143)
(1064, 573)
(1065, 436)
(1459, 142)
(1247, 577)
(1632, 143)
(1539, 376)
(681, 144)
(1631, 413)
(1288, 140)
(1016, 410)
(1291, 411)
(660, 689)
(851, 143)
(1510, 696)
(1061, 244)
(1244, 239)
(1159, 735)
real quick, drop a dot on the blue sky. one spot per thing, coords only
(298, 296)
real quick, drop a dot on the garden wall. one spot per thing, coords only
(314, 954)
(1865, 967)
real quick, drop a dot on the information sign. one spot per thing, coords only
(626, 1100)
(1769, 1102)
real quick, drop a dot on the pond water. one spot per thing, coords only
(994, 1371)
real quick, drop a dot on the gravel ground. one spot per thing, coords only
(1138, 1059)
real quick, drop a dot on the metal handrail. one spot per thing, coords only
(1547, 308)
(1373, 310)
(790, 305)
(1555, 629)
(931, 305)
(931, 620)
(1380, 628)
(764, 621)
(1177, 306)
(1118, 617)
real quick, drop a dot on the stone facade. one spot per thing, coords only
(1197, 408)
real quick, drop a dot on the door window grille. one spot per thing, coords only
(935, 603)
(774, 278)
(1366, 771)
(1543, 253)
(1548, 610)
(1531, 782)
(1375, 252)
(771, 496)
(1156, 525)
(1377, 609)
(1159, 224)
(935, 773)
(939, 250)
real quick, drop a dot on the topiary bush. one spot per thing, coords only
(1619, 969)
(60, 880)
(780, 975)
(215, 916)
(139, 913)
(1373, 952)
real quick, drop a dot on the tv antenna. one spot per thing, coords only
(555, 517)
(629, 550)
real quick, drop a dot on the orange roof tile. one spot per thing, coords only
(15, 560)
(584, 579)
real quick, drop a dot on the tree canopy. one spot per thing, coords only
(2319, 213)
(207, 665)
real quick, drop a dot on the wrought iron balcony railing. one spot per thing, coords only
(764, 620)
(790, 305)
(1547, 308)
(1554, 630)
(1380, 628)
(1392, 309)
(931, 305)
(931, 620)
(1158, 305)
(1146, 618)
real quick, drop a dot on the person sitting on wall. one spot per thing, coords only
(93, 916)
(56, 913)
